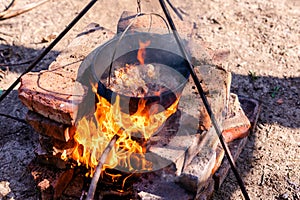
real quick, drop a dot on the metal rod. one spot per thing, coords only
(205, 101)
(48, 49)
(99, 167)
(175, 10)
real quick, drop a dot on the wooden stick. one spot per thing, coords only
(84, 187)
(9, 13)
(98, 171)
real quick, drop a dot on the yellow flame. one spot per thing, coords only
(142, 51)
(93, 135)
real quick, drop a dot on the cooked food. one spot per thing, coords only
(144, 80)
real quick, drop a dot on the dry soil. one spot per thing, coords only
(263, 37)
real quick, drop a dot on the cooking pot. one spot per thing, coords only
(122, 50)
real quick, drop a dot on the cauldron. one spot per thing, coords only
(123, 50)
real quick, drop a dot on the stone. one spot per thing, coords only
(236, 125)
(4, 189)
(235, 148)
(175, 143)
(220, 153)
(55, 93)
(161, 185)
(51, 128)
(39, 92)
(251, 108)
(193, 130)
(52, 183)
(195, 175)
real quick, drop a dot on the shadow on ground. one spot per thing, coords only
(279, 97)
(18, 58)
(280, 105)
(17, 139)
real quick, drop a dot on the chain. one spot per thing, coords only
(139, 9)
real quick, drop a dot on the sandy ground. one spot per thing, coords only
(263, 37)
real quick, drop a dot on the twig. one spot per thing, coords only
(9, 13)
(98, 171)
(262, 178)
(84, 188)
(83, 193)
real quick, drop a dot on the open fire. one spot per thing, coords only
(94, 133)
(184, 152)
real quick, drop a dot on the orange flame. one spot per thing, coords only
(142, 51)
(93, 135)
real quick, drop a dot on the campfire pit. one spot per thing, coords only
(181, 142)
(133, 118)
